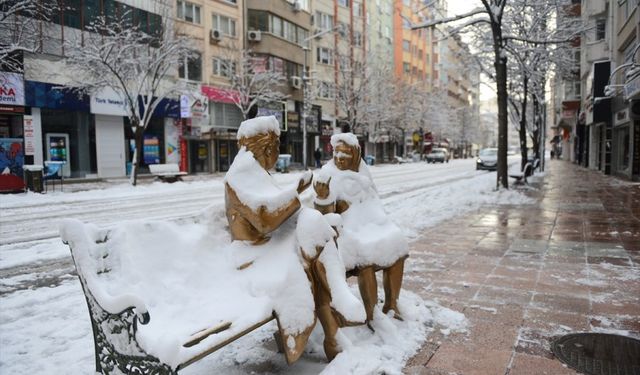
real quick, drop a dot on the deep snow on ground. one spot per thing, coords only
(45, 328)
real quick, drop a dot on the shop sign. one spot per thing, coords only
(194, 106)
(622, 117)
(219, 95)
(11, 109)
(11, 89)
(276, 109)
(293, 119)
(108, 102)
(29, 136)
(632, 88)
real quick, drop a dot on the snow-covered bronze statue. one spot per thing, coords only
(268, 216)
(368, 241)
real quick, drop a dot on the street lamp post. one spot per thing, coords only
(305, 78)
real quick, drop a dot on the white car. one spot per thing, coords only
(487, 159)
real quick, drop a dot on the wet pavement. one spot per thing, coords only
(525, 274)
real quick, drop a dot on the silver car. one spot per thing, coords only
(487, 159)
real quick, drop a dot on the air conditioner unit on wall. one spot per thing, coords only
(254, 35)
(297, 6)
(296, 82)
(215, 36)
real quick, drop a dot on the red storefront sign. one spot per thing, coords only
(216, 94)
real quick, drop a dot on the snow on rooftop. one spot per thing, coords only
(258, 125)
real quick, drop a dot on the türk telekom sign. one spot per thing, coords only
(11, 89)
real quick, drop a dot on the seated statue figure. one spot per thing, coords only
(368, 241)
(256, 207)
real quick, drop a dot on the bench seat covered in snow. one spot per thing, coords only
(164, 295)
(521, 176)
(167, 172)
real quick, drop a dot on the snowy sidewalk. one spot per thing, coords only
(570, 263)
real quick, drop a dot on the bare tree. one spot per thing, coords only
(140, 67)
(252, 79)
(20, 29)
(494, 18)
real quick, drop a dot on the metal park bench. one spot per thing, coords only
(522, 175)
(189, 316)
(167, 172)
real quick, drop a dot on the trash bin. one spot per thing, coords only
(370, 159)
(33, 178)
(282, 165)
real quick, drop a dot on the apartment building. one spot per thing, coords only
(413, 53)
(48, 121)
(606, 136)
(567, 129)
(206, 142)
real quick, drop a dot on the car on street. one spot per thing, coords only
(447, 156)
(436, 157)
(487, 159)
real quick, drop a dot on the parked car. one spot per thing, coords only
(436, 157)
(487, 159)
(447, 156)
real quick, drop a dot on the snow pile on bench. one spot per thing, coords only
(170, 169)
(190, 277)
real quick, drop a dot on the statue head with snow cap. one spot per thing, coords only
(346, 151)
(261, 136)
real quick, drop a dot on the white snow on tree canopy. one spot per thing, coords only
(258, 125)
(348, 138)
(254, 186)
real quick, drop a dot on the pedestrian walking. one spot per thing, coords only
(317, 155)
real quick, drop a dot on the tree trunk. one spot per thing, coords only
(501, 85)
(537, 126)
(137, 161)
(523, 124)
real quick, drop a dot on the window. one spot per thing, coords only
(258, 20)
(188, 12)
(343, 3)
(226, 25)
(91, 12)
(72, 13)
(191, 68)
(357, 39)
(223, 68)
(357, 9)
(406, 68)
(324, 56)
(325, 90)
(406, 45)
(324, 21)
(627, 7)
(276, 26)
(601, 27)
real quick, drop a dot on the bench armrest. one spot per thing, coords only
(81, 239)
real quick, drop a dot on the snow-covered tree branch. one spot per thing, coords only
(139, 67)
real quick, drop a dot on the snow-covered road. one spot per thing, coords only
(43, 326)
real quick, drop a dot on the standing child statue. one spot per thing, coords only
(256, 208)
(368, 240)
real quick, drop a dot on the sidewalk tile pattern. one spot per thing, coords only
(524, 274)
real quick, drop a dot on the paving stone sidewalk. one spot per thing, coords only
(524, 274)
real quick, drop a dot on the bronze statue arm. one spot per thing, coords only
(262, 220)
